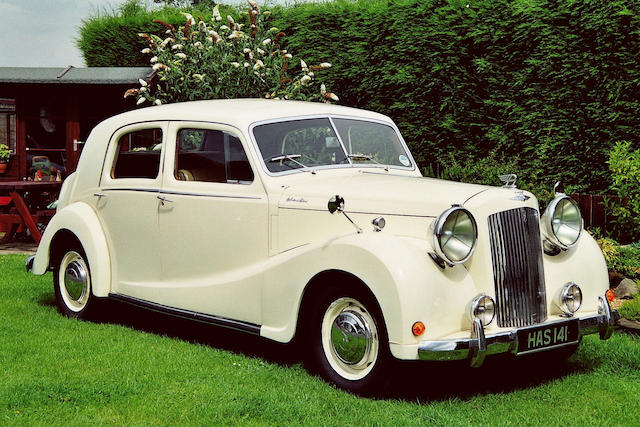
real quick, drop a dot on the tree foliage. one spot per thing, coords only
(550, 83)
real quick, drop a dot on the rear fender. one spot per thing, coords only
(80, 220)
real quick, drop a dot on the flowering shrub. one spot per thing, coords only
(624, 164)
(226, 59)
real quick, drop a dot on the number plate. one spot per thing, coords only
(548, 336)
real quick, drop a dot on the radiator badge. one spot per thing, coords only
(520, 196)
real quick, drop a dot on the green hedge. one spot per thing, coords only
(552, 84)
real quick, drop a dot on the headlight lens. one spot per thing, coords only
(563, 222)
(455, 234)
(484, 308)
(570, 298)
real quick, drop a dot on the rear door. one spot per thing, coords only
(127, 205)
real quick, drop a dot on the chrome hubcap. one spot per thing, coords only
(74, 280)
(349, 338)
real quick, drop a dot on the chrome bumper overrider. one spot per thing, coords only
(479, 345)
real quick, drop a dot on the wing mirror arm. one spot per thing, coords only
(336, 204)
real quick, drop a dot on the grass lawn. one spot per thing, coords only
(141, 368)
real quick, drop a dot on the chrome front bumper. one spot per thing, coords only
(478, 346)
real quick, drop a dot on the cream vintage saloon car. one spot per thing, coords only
(289, 219)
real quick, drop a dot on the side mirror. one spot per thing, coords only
(336, 204)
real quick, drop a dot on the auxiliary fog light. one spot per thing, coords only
(482, 307)
(570, 298)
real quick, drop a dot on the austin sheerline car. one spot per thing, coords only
(289, 220)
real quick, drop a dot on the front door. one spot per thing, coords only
(127, 205)
(212, 223)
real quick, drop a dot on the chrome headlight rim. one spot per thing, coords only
(438, 229)
(567, 293)
(548, 222)
(477, 309)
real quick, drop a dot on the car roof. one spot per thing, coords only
(236, 112)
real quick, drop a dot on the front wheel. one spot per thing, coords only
(72, 283)
(348, 342)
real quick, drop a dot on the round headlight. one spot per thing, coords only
(570, 298)
(563, 222)
(484, 308)
(454, 235)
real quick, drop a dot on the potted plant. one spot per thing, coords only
(5, 154)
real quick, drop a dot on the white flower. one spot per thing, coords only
(253, 4)
(325, 65)
(166, 41)
(236, 34)
(216, 13)
(157, 66)
(198, 76)
(304, 65)
(145, 50)
(143, 89)
(246, 64)
(288, 56)
(323, 89)
(232, 23)
(181, 55)
(266, 41)
(274, 30)
(168, 32)
(235, 64)
(283, 51)
(197, 44)
(246, 50)
(310, 74)
(143, 83)
(157, 102)
(141, 100)
(154, 59)
(187, 15)
(259, 64)
(210, 40)
(176, 46)
(260, 51)
(202, 26)
(304, 80)
(333, 96)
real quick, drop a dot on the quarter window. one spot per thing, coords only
(138, 154)
(208, 155)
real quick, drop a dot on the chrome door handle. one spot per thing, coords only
(163, 199)
(99, 195)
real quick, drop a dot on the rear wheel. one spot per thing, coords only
(72, 283)
(348, 341)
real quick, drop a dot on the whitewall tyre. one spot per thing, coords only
(349, 343)
(72, 283)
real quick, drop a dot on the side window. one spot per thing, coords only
(138, 154)
(211, 156)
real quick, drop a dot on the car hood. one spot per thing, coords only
(375, 192)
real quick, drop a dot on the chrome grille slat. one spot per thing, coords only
(516, 253)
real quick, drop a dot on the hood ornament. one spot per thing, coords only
(509, 180)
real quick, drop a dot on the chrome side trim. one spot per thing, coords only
(478, 346)
(182, 193)
(190, 315)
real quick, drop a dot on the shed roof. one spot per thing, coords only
(72, 75)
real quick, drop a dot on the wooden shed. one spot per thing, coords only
(45, 113)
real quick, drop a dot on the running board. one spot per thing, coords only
(237, 325)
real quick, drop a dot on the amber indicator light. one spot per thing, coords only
(610, 295)
(418, 329)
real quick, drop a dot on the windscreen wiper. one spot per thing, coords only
(368, 158)
(291, 158)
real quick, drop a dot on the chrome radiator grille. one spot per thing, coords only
(516, 252)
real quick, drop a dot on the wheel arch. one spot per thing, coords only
(319, 282)
(78, 222)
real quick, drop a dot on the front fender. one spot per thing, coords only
(79, 219)
(407, 284)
